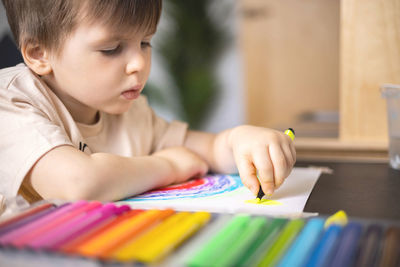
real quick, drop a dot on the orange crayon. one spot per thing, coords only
(102, 244)
(74, 245)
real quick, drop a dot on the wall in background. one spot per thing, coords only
(9, 53)
(3, 20)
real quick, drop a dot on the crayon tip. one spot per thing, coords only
(339, 218)
(260, 193)
(258, 200)
(290, 133)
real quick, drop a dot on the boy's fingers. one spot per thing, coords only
(248, 174)
(280, 164)
(290, 158)
(263, 164)
(293, 150)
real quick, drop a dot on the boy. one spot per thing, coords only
(73, 123)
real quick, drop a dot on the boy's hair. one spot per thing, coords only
(48, 22)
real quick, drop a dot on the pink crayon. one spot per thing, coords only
(10, 223)
(26, 219)
(7, 238)
(89, 224)
(74, 228)
(59, 220)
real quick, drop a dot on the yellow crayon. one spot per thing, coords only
(156, 250)
(339, 217)
(290, 132)
(130, 251)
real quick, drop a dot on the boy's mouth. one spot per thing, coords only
(131, 93)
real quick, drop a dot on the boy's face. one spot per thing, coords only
(98, 69)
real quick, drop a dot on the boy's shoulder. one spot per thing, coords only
(16, 77)
(20, 87)
(10, 73)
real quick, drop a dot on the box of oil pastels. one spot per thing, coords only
(91, 233)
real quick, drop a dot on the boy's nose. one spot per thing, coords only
(136, 63)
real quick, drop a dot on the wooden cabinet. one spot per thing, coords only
(291, 59)
(322, 56)
(370, 56)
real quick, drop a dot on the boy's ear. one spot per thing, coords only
(37, 58)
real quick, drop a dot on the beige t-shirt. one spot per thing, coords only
(33, 120)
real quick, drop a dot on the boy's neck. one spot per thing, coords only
(80, 113)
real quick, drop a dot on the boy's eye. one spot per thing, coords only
(111, 51)
(145, 44)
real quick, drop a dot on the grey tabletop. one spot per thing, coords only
(364, 190)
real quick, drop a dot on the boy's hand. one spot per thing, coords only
(185, 163)
(270, 153)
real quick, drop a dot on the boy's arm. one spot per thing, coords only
(67, 173)
(214, 149)
(251, 150)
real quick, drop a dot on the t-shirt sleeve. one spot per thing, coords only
(172, 134)
(26, 135)
(165, 134)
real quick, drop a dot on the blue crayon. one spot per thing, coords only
(345, 255)
(299, 252)
(325, 247)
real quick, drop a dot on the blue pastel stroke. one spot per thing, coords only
(214, 185)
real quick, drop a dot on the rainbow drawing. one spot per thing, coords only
(211, 185)
(226, 193)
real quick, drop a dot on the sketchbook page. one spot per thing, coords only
(226, 194)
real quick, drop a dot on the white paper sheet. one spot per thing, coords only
(226, 194)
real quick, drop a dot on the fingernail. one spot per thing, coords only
(269, 192)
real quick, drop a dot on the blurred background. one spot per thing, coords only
(196, 74)
(222, 63)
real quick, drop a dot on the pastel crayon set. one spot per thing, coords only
(107, 232)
